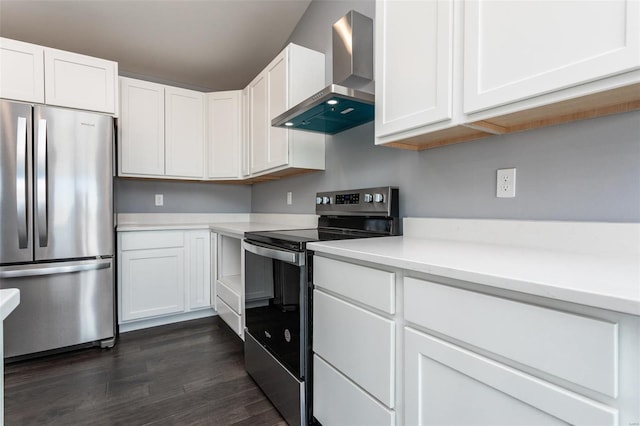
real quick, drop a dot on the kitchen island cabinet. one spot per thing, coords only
(501, 322)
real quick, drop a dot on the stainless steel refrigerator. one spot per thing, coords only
(56, 227)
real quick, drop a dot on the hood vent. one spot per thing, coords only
(341, 105)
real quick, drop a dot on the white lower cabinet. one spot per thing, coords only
(162, 273)
(448, 385)
(338, 401)
(454, 353)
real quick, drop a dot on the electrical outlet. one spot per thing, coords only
(506, 183)
(289, 198)
(159, 200)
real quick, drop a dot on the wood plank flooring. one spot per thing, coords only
(191, 373)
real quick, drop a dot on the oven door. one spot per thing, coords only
(277, 323)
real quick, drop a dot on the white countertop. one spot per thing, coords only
(605, 280)
(9, 300)
(234, 225)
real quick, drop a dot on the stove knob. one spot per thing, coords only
(318, 200)
(378, 198)
(368, 198)
(326, 200)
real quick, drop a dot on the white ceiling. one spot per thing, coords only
(206, 44)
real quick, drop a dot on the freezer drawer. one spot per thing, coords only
(61, 304)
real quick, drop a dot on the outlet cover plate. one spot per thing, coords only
(159, 200)
(506, 183)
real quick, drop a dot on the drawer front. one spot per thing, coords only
(151, 240)
(229, 296)
(358, 343)
(472, 389)
(575, 348)
(337, 401)
(227, 314)
(370, 286)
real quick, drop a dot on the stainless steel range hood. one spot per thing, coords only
(341, 105)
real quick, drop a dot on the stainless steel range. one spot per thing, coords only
(278, 337)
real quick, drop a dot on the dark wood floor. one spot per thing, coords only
(190, 373)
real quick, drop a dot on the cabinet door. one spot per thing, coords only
(199, 269)
(259, 133)
(223, 134)
(414, 57)
(141, 127)
(277, 91)
(152, 283)
(448, 385)
(184, 133)
(79, 81)
(519, 49)
(21, 71)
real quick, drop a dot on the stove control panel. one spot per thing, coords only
(380, 201)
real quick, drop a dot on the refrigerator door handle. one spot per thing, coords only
(21, 182)
(35, 270)
(41, 183)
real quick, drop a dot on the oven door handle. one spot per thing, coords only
(294, 258)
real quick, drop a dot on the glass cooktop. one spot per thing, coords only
(296, 239)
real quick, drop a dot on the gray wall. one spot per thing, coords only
(587, 170)
(138, 196)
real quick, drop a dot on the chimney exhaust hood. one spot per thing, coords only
(341, 105)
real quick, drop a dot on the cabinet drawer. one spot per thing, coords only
(370, 286)
(151, 240)
(575, 348)
(446, 384)
(358, 343)
(230, 296)
(337, 401)
(227, 314)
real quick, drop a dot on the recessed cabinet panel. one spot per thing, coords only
(448, 385)
(338, 401)
(223, 134)
(199, 269)
(278, 145)
(258, 130)
(414, 59)
(21, 71)
(576, 348)
(152, 283)
(358, 343)
(518, 49)
(79, 81)
(141, 128)
(184, 133)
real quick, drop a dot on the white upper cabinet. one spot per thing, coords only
(21, 71)
(414, 60)
(295, 74)
(33, 73)
(519, 49)
(141, 141)
(79, 81)
(184, 133)
(224, 119)
(161, 131)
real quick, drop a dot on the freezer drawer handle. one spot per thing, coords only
(21, 182)
(285, 256)
(14, 272)
(41, 185)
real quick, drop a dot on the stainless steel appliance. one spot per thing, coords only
(344, 104)
(56, 231)
(278, 335)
